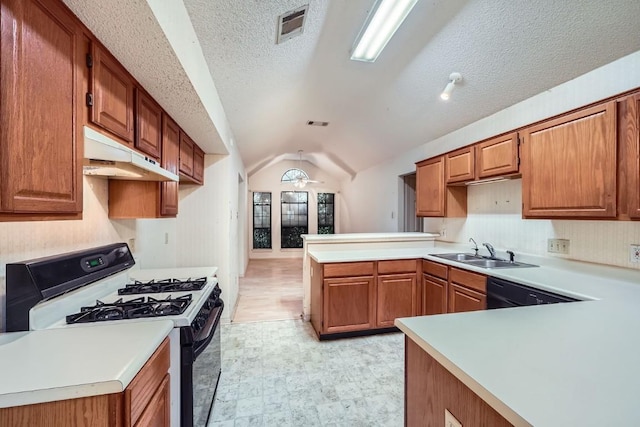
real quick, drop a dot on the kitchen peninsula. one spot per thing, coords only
(571, 364)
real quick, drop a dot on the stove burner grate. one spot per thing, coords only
(131, 309)
(165, 285)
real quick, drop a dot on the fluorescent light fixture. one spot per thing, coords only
(453, 79)
(382, 23)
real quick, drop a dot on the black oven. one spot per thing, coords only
(200, 363)
(502, 294)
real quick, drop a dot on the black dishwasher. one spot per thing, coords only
(502, 294)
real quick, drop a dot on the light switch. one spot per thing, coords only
(450, 420)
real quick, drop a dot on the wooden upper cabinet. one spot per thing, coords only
(170, 161)
(430, 188)
(433, 197)
(148, 138)
(112, 89)
(629, 158)
(569, 165)
(460, 165)
(186, 154)
(498, 156)
(41, 69)
(198, 164)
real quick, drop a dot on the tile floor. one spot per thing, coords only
(277, 373)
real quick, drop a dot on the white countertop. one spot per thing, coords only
(68, 363)
(367, 237)
(573, 364)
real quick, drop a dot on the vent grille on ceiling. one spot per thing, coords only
(291, 24)
(317, 123)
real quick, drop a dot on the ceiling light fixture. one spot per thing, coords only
(453, 79)
(382, 22)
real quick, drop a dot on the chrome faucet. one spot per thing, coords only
(489, 247)
(475, 245)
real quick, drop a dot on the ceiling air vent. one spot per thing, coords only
(317, 123)
(291, 24)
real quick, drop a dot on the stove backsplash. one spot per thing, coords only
(21, 241)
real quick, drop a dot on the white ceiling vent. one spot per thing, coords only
(317, 123)
(291, 24)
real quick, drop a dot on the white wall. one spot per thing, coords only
(207, 225)
(268, 180)
(373, 194)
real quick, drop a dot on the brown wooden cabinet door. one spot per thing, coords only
(349, 304)
(41, 74)
(186, 154)
(396, 298)
(430, 190)
(112, 89)
(629, 197)
(434, 295)
(460, 165)
(498, 156)
(198, 164)
(569, 165)
(170, 159)
(148, 125)
(464, 299)
(157, 413)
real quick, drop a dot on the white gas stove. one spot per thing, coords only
(98, 285)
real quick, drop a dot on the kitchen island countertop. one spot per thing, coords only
(68, 363)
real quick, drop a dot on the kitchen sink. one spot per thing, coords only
(483, 262)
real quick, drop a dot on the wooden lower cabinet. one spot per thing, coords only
(467, 291)
(144, 403)
(430, 389)
(434, 295)
(396, 298)
(349, 304)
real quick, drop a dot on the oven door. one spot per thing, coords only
(201, 364)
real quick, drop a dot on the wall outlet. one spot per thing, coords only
(558, 246)
(450, 420)
(132, 244)
(443, 232)
(634, 253)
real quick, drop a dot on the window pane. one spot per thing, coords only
(261, 220)
(325, 213)
(294, 218)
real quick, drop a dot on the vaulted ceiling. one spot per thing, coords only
(506, 51)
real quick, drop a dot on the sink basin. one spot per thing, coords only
(478, 261)
(459, 257)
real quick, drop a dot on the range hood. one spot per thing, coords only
(106, 157)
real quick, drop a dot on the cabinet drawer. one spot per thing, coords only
(397, 266)
(435, 269)
(144, 386)
(471, 280)
(345, 269)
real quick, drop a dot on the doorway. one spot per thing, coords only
(408, 221)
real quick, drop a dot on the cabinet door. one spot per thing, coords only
(170, 160)
(186, 154)
(148, 125)
(434, 295)
(349, 304)
(112, 89)
(157, 414)
(430, 187)
(396, 298)
(198, 164)
(464, 299)
(41, 74)
(569, 165)
(629, 198)
(460, 165)
(498, 156)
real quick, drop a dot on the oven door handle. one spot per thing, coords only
(205, 336)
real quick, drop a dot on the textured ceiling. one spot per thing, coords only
(506, 50)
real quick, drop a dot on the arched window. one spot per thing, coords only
(292, 175)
